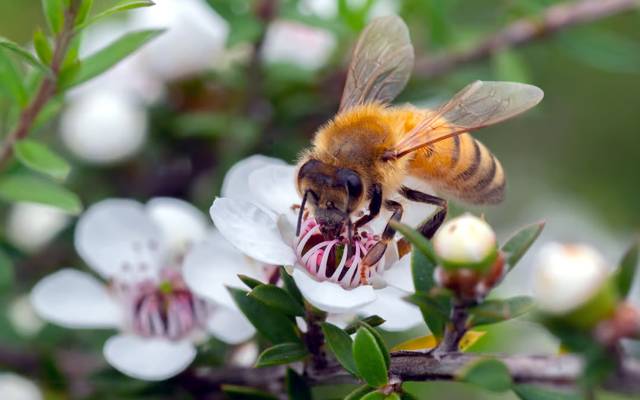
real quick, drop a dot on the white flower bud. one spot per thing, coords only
(466, 241)
(31, 226)
(298, 44)
(23, 317)
(566, 276)
(15, 387)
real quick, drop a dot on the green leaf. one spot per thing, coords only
(22, 187)
(278, 299)
(120, 6)
(422, 268)
(602, 49)
(24, 54)
(372, 321)
(11, 81)
(249, 281)
(234, 392)
(370, 359)
(6, 272)
(493, 311)
(290, 286)
(509, 66)
(380, 340)
(359, 392)
(106, 58)
(282, 353)
(435, 308)
(534, 392)
(393, 396)
(38, 157)
(341, 345)
(415, 238)
(274, 326)
(519, 243)
(375, 395)
(42, 46)
(626, 272)
(489, 374)
(83, 12)
(297, 387)
(54, 14)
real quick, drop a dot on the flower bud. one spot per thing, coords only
(466, 242)
(572, 281)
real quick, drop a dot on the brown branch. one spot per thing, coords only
(523, 31)
(47, 88)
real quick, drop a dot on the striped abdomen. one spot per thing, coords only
(461, 167)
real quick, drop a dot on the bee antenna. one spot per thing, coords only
(304, 202)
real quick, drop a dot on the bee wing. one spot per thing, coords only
(381, 65)
(478, 105)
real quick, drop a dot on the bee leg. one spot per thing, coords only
(429, 227)
(377, 251)
(375, 194)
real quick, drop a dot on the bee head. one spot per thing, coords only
(333, 193)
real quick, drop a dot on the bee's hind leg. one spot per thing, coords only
(377, 251)
(429, 227)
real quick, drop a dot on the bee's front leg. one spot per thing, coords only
(375, 194)
(377, 251)
(429, 227)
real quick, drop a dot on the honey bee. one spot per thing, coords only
(360, 158)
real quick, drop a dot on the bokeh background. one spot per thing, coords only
(236, 77)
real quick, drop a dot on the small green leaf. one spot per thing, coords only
(83, 12)
(375, 395)
(290, 286)
(11, 81)
(249, 281)
(393, 396)
(603, 49)
(6, 272)
(370, 359)
(415, 238)
(359, 392)
(489, 374)
(534, 392)
(626, 272)
(297, 387)
(22, 187)
(106, 58)
(435, 308)
(54, 14)
(234, 392)
(282, 353)
(24, 54)
(519, 243)
(380, 340)
(509, 66)
(278, 299)
(493, 311)
(38, 157)
(422, 268)
(120, 6)
(341, 345)
(372, 321)
(274, 326)
(42, 46)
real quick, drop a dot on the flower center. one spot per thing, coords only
(163, 308)
(336, 260)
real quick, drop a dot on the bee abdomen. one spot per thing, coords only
(479, 178)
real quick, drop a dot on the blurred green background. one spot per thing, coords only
(572, 161)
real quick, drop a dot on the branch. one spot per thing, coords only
(523, 31)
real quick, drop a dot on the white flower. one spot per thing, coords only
(23, 317)
(31, 226)
(195, 37)
(15, 387)
(256, 214)
(465, 240)
(160, 319)
(298, 44)
(567, 276)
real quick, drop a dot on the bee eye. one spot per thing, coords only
(350, 179)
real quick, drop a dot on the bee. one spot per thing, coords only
(359, 160)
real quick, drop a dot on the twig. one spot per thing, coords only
(523, 31)
(455, 330)
(47, 88)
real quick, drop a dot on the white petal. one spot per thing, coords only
(398, 314)
(15, 387)
(274, 187)
(236, 181)
(150, 359)
(75, 299)
(181, 223)
(117, 235)
(399, 275)
(230, 326)
(252, 231)
(212, 265)
(331, 297)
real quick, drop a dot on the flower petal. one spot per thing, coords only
(252, 231)
(398, 314)
(15, 387)
(75, 299)
(331, 297)
(150, 359)
(181, 223)
(212, 265)
(236, 181)
(399, 275)
(274, 187)
(114, 236)
(230, 326)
